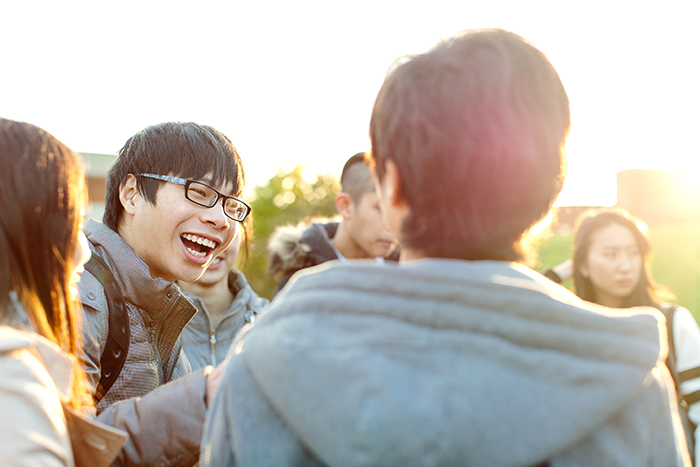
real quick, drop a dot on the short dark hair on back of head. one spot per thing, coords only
(476, 128)
(180, 149)
(356, 179)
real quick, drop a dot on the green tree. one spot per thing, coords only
(287, 198)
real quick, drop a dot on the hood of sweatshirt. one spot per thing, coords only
(461, 358)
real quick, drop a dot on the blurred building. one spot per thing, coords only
(564, 218)
(658, 196)
(96, 168)
(655, 196)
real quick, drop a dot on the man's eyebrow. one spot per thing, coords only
(210, 182)
(206, 180)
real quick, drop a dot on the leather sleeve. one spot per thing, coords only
(164, 426)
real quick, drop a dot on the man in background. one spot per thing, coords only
(225, 303)
(360, 234)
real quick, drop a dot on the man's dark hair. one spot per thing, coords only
(476, 128)
(180, 149)
(356, 179)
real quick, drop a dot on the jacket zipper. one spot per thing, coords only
(248, 317)
(212, 341)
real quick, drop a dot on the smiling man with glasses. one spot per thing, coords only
(172, 206)
(204, 195)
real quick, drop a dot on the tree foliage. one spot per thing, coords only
(287, 198)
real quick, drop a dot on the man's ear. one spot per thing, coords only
(392, 185)
(394, 206)
(343, 204)
(128, 192)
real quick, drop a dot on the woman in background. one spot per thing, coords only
(42, 390)
(611, 267)
(225, 303)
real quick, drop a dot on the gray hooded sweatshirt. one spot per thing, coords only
(205, 344)
(443, 362)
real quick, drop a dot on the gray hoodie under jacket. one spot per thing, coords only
(443, 363)
(206, 344)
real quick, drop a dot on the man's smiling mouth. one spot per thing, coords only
(199, 247)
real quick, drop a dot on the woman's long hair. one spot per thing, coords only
(646, 292)
(42, 197)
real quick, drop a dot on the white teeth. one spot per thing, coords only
(201, 240)
(199, 254)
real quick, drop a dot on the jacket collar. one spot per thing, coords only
(155, 295)
(241, 291)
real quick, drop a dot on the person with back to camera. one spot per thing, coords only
(361, 232)
(42, 387)
(171, 207)
(457, 355)
(612, 267)
(225, 303)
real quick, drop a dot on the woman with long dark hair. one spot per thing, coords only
(42, 391)
(611, 267)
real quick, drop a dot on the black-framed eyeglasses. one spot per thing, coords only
(204, 195)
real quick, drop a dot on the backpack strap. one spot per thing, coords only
(687, 375)
(117, 346)
(668, 309)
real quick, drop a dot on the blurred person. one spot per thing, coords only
(172, 206)
(225, 303)
(612, 267)
(361, 232)
(561, 272)
(457, 355)
(43, 394)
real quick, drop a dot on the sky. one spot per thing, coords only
(293, 83)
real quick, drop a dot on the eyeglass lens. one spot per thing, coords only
(204, 195)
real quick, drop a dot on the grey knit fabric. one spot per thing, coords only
(443, 362)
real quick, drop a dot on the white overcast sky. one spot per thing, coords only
(294, 82)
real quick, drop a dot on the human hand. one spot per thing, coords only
(213, 377)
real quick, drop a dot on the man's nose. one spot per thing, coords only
(216, 217)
